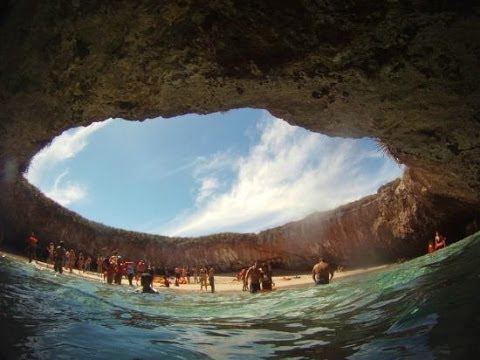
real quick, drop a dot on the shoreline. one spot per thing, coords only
(224, 282)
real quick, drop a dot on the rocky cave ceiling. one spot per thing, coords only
(405, 72)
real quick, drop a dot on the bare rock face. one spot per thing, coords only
(404, 72)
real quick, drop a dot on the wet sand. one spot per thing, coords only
(223, 282)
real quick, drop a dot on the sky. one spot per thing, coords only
(237, 171)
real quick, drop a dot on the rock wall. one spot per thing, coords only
(393, 224)
(404, 72)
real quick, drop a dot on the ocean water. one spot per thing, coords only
(426, 308)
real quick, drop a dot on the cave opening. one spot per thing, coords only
(242, 171)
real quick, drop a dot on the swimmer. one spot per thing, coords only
(321, 272)
(146, 280)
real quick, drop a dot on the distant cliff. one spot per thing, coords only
(404, 72)
(394, 223)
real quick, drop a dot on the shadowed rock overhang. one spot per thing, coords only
(404, 72)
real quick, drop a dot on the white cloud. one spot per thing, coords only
(288, 175)
(216, 163)
(66, 192)
(207, 188)
(63, 147)
(49, 160)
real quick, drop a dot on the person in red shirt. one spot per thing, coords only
(141, 268)
(32, 248)
(120, 271)
(439, 241)
(431, 247)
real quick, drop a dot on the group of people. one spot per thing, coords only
(439, 242)
(59, 256)
(115, 267)
(258, 277)
(203, 275)
(69, 259)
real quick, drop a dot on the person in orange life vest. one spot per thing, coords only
(431, 247)
(32, 247)
(141, 268)
(439, 241)
(120, 270)
(111, 269)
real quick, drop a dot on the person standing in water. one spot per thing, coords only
(130, 271)
(211, 279)
(254, 273)
(439, 241)
(72, 259)
(32, 248)
(59, 257)
(51, 254)
(321, 272)
(203, 278)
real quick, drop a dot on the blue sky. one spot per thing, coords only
(241, 171)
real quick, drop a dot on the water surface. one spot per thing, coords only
(426, 308)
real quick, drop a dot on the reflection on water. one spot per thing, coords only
(425, 308)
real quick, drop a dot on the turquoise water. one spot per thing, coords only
(427, 308)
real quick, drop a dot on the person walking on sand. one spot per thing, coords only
(321, 272)
(254, 274)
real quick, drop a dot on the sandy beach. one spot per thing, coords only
(224, 282)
